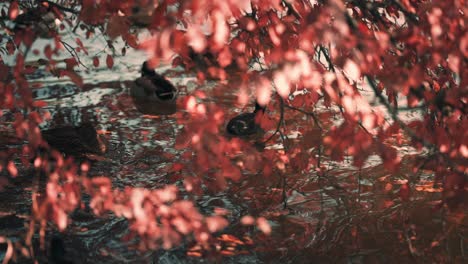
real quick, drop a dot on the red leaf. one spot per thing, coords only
(71, 63)
(116, 26)
(78, 41)
(39, 103)
(225, 58)
(96, 61)
(405, 192)
(131, 40)
(181, 225)
(48, 51)
(12, 169)
(263, 225)
(13, 11)
(247, 220)
(109, 61)
(4, 70)
(177, 167)
(274, 37)
(74, 77)
(216, 223)
(35, 117)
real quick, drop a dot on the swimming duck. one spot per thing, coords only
(76, 141)
(153, 94)
(244, 124)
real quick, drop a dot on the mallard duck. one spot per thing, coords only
(153, 94)
(40, 19)
(75, 141)
(244, 124)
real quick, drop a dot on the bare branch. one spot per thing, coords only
(73, 52)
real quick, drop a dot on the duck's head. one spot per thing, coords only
(146, 70)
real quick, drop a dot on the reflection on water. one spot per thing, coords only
(347, 215)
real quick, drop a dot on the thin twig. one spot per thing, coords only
(284, 137)
(394, 113)
(328, 58)
(73, 52)
(279, 122)
(285, 196)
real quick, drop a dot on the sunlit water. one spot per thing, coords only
(350, 216)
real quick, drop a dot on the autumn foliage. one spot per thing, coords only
(337, 79)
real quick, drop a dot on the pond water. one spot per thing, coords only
(347, 216)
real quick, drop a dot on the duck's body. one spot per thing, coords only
(75, 141)
(244, 124)
(153, 94)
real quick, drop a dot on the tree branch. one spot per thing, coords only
(279, 122)
(394, 113)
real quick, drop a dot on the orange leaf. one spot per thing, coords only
(109, 61)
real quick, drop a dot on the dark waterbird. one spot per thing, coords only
(152, 93)
(74, 140)
(244, 124)
(41, 19)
